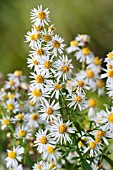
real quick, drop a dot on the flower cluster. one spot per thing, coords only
(60, 125)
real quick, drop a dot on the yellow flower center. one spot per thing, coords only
(12, 154)
(110, 118)
(35, 62)
(92, 103)
(18, 73)
(97, 139)
(32, 37)
(51, 28)
(92, 144)
(110, 55)
(78, 99)
(43, 140)
(6, 121)
(100, 83)
(22, 133)
(40, 52)
(10, 106)
(90, 73)
(109, 66)
(101, 133)
(38, 36)
(19, 116)
(38, 28)
(36, 92)
(11, 82)
(64, 69)
(34, 116)
(41, 15)
(74, 43)
(39, 166)
(97, 61)
(47, 64)
(80, 143)
(47, 37)
(39, 79)
(50, 149)
(49, 111)
(110, 73)
(52, 165)
(11, 96)
(86, 51)
(58, 86)
(56, 44)
(80, 83)
(31, 104)
(62, 128)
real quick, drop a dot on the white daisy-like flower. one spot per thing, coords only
(95, 63)
(91, 77)
(15, 75)
(50, 111)
(77, 100)
(33, 62)
(74, 46)
(99, 86)
(51, 154)
(54, 88)
(33, 120)
(101, 135)
(47, 66)
(47, 35)
(5, 122)
(39, 51)
(109, 75)
(47, 166)
(22, 132)
(40, 16)
(14, 156)
(83, 39)
(33, 37)
(31, 106)
(24, 86)
(60, 131)
(105, 119)
(56, 45)
(109, 88)
(3, 94)
(64, 68)
(94, 146)
(109, 58)
(11, 105)
(37, 95)
(40, 79)
(13, 84)
(43, 140)
(92, 104)
(19, 117)
(84, 55)
(38, 166)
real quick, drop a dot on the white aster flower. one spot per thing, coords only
(38, 166)
(37, 95)
(33, 62)
(56, 45)
(92, 108)
(109, 58)
(105, 119)
(47, 35)
(83, 39)
(61, 131)
(43, 140)
(33, 37)
(51, 154)
(64, 68)
(14, 156)
(11, 105)
(54, 88)
(22, 132)
(33, 120)
(5, 122)
(40, 16)
(77, 100)
(74, 46)
(84, 55)
(49, 110)
(13, 84)
(109, 75)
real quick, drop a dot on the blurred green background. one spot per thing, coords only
(93, 17)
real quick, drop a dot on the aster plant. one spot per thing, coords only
(60, 125)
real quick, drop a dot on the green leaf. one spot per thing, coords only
(108, 160)
(86, 165)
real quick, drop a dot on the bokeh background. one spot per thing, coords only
(93, 17)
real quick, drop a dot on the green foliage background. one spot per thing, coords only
(70, 17)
